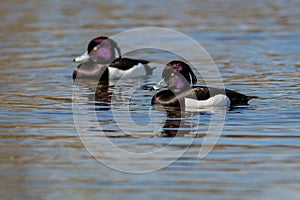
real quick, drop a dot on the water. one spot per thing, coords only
(256, 48)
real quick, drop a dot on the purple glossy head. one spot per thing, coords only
(178, 76)
(102, 50)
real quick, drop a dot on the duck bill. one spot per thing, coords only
(81, 58)
(159, 85)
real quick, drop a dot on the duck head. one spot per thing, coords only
(100, 50)
(177, 76)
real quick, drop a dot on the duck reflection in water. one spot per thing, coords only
(175, 125)
(102, 97)
(98, 93)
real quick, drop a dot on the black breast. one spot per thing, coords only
(165, 98)
(91, 70)
(168, 98)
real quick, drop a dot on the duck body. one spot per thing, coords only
(178, 77)
(119, 68)
(100, 62)
(200, 93)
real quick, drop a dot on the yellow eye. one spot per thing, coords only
(95, 48)
(172, 74)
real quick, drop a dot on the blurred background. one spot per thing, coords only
(255, 45)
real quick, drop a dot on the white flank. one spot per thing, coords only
(219, 100)
(135, 71)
